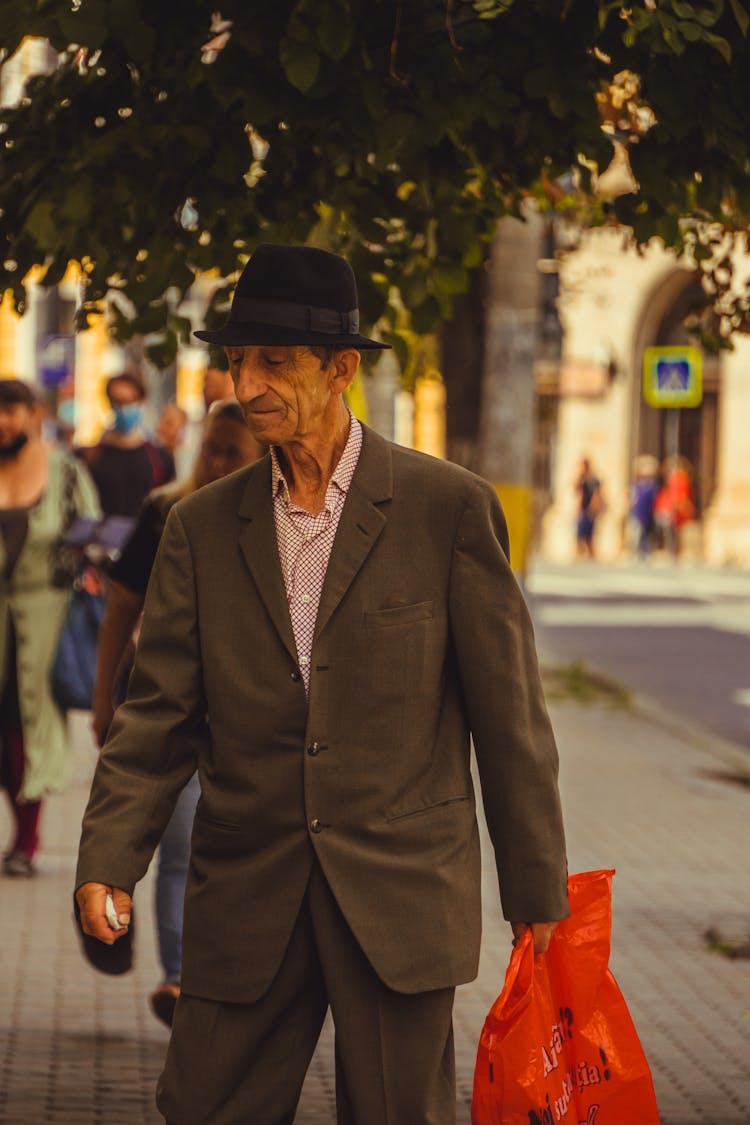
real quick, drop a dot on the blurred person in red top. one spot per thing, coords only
(675, 502)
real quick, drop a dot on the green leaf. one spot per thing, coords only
(76, 203)
(559, 104)
(163, 351)
(41, 225)
(537, 82)
(399, 345)
(721, 44)
(683, 10)
(450, 278)
(335, 32)
(473, 255)
(691, 32)
(674, 40)
(425, 316)
(740, 14)
(705, 15)
(301, 64)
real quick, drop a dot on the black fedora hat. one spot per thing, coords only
(289, 295)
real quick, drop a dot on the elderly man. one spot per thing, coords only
(322, 633)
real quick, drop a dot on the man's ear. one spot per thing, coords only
(345, 365)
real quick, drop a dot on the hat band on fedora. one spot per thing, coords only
(286, 314)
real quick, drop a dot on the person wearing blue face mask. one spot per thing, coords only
(124, 464)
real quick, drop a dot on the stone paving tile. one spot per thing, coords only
(77, 1048)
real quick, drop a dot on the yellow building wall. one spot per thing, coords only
(8, 324)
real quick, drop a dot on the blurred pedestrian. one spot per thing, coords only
(41, 489)
(65, 423)
(642, 497)
(590, 506)
(170, 426)
(217, 381)
(227, 445)
(172, 432)
(674, 505)
(323, 631)
(124, 464)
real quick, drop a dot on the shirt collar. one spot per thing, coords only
(342, 474)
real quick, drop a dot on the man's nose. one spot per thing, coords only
(250, 380)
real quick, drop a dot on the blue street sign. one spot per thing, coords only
(672, 376)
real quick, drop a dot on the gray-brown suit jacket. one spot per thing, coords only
(422, 635)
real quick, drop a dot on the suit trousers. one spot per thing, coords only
(244, 1064)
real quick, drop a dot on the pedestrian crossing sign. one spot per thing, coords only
(672, 376)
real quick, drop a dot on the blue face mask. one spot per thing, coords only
(127, 418)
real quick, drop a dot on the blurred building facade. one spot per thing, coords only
(613, 303)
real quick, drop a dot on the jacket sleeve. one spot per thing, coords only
(156, 735)
(513, 739)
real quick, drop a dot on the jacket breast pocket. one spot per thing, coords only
(399, 615)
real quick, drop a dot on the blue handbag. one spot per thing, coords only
(74, 667)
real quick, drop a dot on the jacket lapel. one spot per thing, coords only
(361, 523)
(257, 539)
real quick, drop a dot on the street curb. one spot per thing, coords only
(644, 706)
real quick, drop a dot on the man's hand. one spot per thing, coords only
(91, 899)
(542, 932)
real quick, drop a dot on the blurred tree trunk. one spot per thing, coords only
(508, 400)
(462, 364)
(487, 355)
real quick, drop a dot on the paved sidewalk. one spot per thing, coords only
(82, 1049)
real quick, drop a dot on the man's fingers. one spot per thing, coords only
(542, 933)
(518, 928)
(122, 902)
(92, 903)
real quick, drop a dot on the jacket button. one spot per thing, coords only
(313, 749)
(315, 825)
(295, 675)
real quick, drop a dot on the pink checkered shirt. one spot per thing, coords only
(305, 543)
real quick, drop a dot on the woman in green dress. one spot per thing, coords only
(40, 488)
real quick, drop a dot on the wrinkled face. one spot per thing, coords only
(16, 418)
(284, 392)
(227, 445)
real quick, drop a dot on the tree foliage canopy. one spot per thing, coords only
(168, 141)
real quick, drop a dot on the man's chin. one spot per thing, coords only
(265, 425)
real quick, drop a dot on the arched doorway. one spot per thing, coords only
(697, 426)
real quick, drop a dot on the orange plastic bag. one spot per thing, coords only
(558, 1044)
